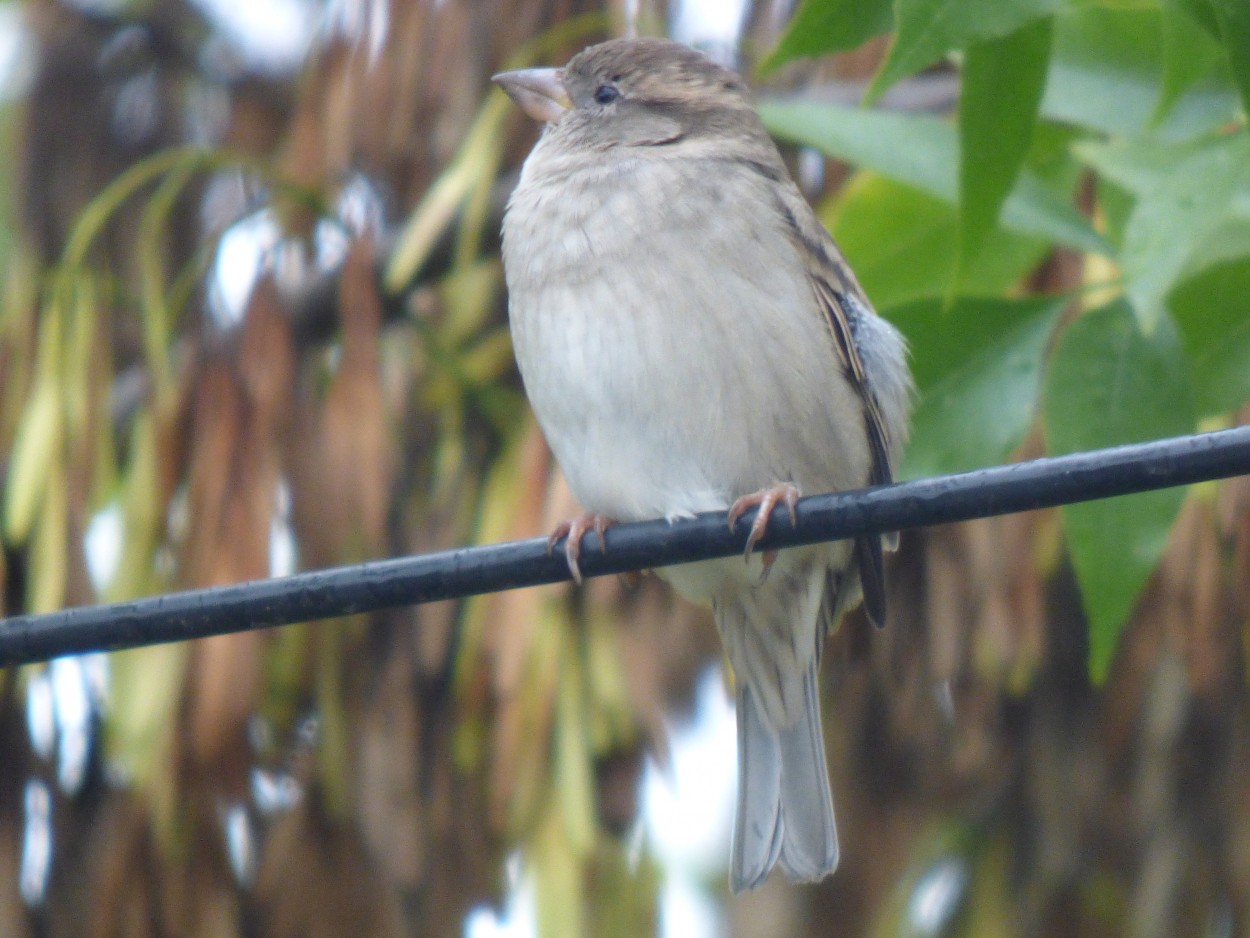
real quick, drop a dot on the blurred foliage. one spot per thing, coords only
(1065, 241)
(1111, 138)
(1182, 165)
(328, 419)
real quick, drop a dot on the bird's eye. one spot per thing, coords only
(606, 94)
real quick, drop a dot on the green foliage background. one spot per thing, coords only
(1135, 112)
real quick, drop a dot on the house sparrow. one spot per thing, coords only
(692, 340)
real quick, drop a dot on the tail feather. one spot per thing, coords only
(773, 636)
(785, 807)
(809, 849)
(758, 828)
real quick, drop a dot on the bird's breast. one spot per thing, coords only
(669, 341)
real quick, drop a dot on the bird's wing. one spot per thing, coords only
(844, 305)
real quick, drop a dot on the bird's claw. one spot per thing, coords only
(574, 530)
(766, 499)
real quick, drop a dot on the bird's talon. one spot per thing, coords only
(769, 557)
(573, 531)
(758, 527)
(561, 530)
(766, 500)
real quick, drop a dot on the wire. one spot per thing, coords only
(1041, 483)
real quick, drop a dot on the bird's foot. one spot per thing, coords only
(574, 531)
(785, 492)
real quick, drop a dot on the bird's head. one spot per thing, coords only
(634, 92)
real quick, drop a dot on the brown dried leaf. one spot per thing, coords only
(342, 457)
(391, 765)
(266, 359)
(316, 880)
(516, 611)
(216, 428)
(241, 413)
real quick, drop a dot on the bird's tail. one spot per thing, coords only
(785, 808)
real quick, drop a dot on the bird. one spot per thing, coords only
(691, 339)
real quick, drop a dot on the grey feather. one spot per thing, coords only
(809, 849)
(758, 826)
(785, 806)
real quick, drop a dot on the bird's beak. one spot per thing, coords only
(539, 91)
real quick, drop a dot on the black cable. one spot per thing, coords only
(1042, 483)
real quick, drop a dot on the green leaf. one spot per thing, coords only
(1116, 204)
(1191, 207)
(37, 447)
(1193, 202)
(1201, 12)
(978, 366)
(916, 149)
(1035, 208)
(1176, 216)
(1002, 87)
(1110, 382)
(1107, 71)
(823, 26)
(1234, 20)
(1211, 313)
(928, 29)
(902, 243)
(1137, 164)
(1189, 54)
(1050, 156)
(1229, 241)
(922, 152)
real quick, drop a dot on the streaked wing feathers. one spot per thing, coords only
(842, 301)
